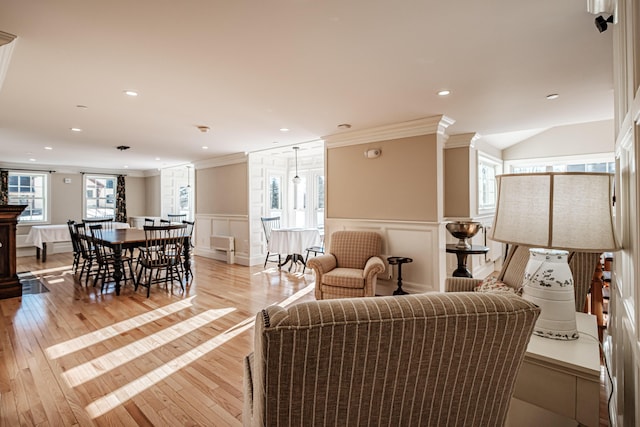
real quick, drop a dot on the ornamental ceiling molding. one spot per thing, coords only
(7, 43)
(462, 140)
(426, 126)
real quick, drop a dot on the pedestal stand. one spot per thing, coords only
(397, 260)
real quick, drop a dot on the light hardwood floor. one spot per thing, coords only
(76, 356)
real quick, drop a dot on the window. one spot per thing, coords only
(29, 189)
(275, 195)
(488, 169)
(586, 163)
(100, 196)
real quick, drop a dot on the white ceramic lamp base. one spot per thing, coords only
(548, 283)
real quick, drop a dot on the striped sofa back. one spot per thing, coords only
(434, 359)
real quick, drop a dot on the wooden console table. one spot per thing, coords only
(564, 376)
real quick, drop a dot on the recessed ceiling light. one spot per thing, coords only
(344, 126)
(48, 148)
(76, 129)
(553, 96)
(204, 147)
(131, 93)
(32, 160)
(444, 92)
(126, 166)
(157, 158)
(81, 106)
(284, 130)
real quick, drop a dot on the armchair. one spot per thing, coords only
(430, 359)
(582, 266)
(351, 266)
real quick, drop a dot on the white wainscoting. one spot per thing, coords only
(236, 226)
(424, 242)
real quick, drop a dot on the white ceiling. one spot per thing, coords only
(248, 68)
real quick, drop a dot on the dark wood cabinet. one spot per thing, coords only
(9, 283)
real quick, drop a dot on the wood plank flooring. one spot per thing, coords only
(74, 356)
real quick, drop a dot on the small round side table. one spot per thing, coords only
(461, 254)
(398, 260)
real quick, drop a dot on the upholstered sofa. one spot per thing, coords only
(438, 359)
(351, 266)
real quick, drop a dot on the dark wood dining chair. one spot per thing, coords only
(106, 259)
(87, 252)
(75, 245)
(162, 253)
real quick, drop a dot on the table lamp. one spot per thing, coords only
(554, 213)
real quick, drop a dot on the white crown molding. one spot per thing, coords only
(462, 140)
(424, 126)
(7, 43)
(231, 159)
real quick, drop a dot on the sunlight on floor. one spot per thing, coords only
(103, 334)
(108, 402)
(105, 363)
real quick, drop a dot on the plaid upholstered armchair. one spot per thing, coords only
(434, 359)
(350, 268)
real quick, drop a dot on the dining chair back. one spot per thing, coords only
(162, 252)
(75, 245)
(149, 221)
(268, 224)
(176, 218)
(107, 222)
(87, 252)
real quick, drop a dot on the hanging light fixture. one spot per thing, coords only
(296, 179)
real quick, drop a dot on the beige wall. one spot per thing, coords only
(66, 199)
(136, 189)
(570, 140)
(222, 190)
(401, 184)
(153, 206)
(457, 202)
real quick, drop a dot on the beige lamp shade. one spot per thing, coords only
(570, 211)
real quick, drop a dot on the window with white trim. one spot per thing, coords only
(29, 188)
(488, 169)
(99, 196)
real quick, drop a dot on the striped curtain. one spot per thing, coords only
(121, 201)
(4, 187)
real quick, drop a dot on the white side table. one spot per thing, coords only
(564, 376)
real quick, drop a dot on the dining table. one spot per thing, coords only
(40, 235)
(123, 239)
(293, 242)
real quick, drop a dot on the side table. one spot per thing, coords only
(398, 260)
(461, 254)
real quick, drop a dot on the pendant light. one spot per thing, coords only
(296, 179)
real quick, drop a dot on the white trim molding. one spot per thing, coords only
(424, 126)
(231, 159)
(462, 140)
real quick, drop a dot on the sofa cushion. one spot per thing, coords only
(492, 284)
(344, 277)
